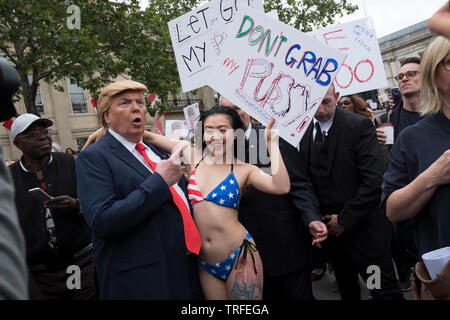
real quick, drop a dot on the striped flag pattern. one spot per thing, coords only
(193, 191)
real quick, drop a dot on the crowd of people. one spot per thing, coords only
(255, 215)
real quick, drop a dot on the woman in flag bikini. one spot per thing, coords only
(229, 264)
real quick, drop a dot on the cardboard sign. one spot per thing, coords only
(176, 129)
(269, 69)
(383, 98)
(192, 115)
(363, 69)
(198, 36)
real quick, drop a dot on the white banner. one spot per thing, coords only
(363, 69)
(197, 38)
(176, 129)
(192, 115)
(270, 69)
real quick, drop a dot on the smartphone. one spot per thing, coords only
(396, 96)
(40, 194)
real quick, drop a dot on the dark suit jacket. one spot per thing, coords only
(137, 231)
(355, 171)
(278, 223)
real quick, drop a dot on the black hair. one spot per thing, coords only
(235, 121)
(415, 60)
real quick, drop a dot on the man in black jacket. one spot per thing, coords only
(58, 244)
(346, 167)
(405, 113)
(280, 224)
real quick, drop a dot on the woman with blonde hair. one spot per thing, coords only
(417, 182)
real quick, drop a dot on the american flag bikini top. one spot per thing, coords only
(225, 194)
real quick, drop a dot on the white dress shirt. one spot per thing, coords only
(131, 146)
(324, 126)
(248, 131)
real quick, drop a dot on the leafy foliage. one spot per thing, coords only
(115, 38)
(307, 15)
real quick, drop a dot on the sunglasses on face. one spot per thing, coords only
(37, 133)
(407, 74)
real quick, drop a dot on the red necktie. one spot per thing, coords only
(191, 235)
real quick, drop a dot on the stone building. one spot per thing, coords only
(395, 47)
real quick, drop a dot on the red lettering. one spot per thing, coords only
(332, 38)
(351, 79)
(371, 74)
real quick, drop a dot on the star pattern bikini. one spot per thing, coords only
(225, 194)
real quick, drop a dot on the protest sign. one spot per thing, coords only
(363, 69)
(270, 69)
(198, 35)
(192, 115)
(176, 129)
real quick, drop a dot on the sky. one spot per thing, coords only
(389, 15)
(393, 15)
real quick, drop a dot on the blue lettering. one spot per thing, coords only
(327, 72)
(312, 59)
(316, 67)
(292, 61)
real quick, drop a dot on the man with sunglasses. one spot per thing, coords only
(56, 234)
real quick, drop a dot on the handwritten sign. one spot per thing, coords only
(192, 115)
(363, 69)
(270, 69)
(198, 36)
(176, 129)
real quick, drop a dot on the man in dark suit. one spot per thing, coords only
(133, 199)
(346, 167)
(280, 224)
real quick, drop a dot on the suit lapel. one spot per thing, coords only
(124, 155)
(305, 143)
(333, 137)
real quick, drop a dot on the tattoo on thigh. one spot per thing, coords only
(247, 284)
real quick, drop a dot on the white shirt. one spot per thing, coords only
(131, 146)
(248, 131)
(324, 126)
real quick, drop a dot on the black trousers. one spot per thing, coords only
(348, 264)
(52, 284)
(404, 250)
(292, 286)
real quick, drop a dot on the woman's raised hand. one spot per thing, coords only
(269, 134)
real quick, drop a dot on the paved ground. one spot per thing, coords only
(322, 289)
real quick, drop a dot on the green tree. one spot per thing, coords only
(307, 15)
(114, 38)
